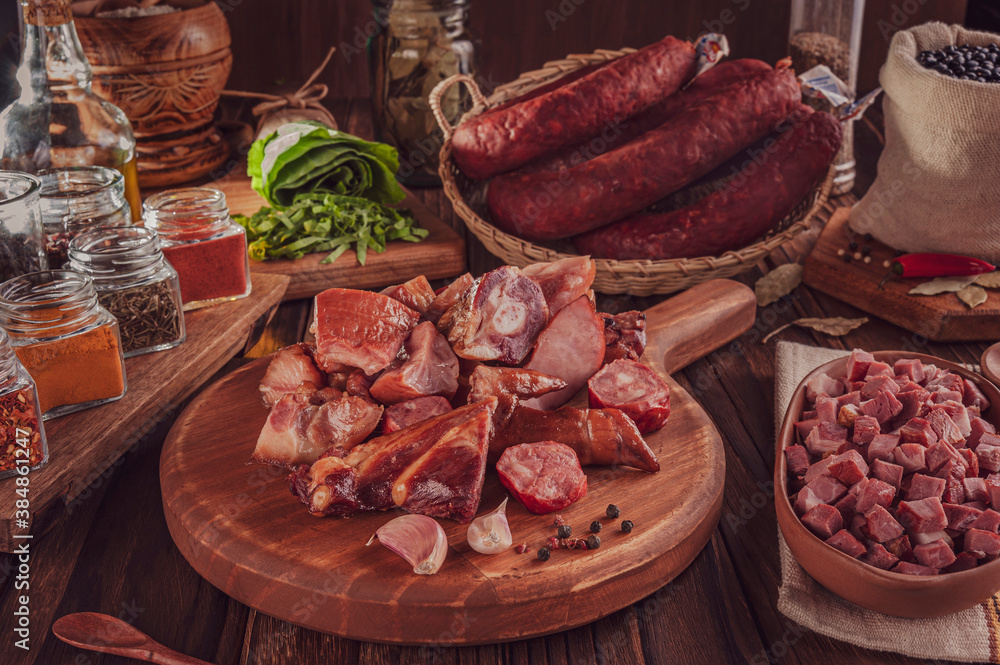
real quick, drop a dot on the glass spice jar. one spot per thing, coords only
(22, 437)
(64, 338)
(22, 246)
(135, 283)
(203, 244)
(77, 198)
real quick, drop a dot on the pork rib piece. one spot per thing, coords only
(360, 328)
(634, 389)
(304, 424)
(563, 281)
(447, 480)
(624, 335)
(604, 437)
(544, 476)
(448, 296)
(416, 294)
(289, 368)
(498, 318)
(412, 411)
(431, 368)
(571, 348)
(488, 381)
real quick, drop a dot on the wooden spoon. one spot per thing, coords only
(990, 364)
(104, 633)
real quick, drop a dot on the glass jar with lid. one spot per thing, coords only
(77, 198)
(22, 437)
(64, 338)
(22, 245)
(135, 283)
(203, 244)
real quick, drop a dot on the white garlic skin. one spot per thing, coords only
(418, 539)
(490, 534)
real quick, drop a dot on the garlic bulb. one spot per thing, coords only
(418, 539)
(490, 533)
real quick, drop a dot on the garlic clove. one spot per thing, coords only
(418, 539)
(490, 533)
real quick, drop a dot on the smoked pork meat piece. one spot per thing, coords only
(544, 476)
(635, 390)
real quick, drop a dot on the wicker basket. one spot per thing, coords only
(634, 277)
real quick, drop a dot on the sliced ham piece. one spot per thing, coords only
(486, 381)
(963, 561)
(823, 520)
(925, 487)
(543, 476)
(446, 297)
(978, 427)
(881, 526)
(982, 544)
(823, 384)
(866, 428)
(907, 568)
(878, 556)
(571, 348)
(360, 328)
(820, 468)
(922, 516)
(975, 490)
(858, 363)
(416, 294)
(988, 454)
(624, 335)
(882, 447)
(913, 402)
(936, 554)
(910, 456)
(911, 368)
(634, 389)
(918, 430)
(563, 281)
(846, 543)
(989, 520)
(973, 396)
(402, 415)
(826, 438)
(430, 368)
(873, 493)
(878, 384)
(498, 318)
(960, 518)
(797, 460)
(290, 367)
(883, 407)
(887, 472)
(900, 548)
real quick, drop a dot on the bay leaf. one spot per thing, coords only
(943, 285)
(972, 295)
(778, 283)
(989, 280)
(836, 326)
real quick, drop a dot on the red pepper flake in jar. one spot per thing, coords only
(22, 440)
(202, 243)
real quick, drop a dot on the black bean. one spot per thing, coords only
(981, 79)
(943, 69)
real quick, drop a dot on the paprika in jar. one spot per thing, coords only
(203, 244)
(68, 343)
(22, 438)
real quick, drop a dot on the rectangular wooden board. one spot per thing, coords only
(84, 446)
(941, 318)
(439, 255)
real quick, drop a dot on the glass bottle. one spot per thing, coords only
(22, 437)
(64, 338)
(828, 32)
(22, 244)
(203, 244)
(57, 120)
(77, 198)
(418, 44)
(135, 283)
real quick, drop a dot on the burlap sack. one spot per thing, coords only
(938, 184)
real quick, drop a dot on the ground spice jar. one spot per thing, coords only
(68, 343)
(203, 244)
(135, 283)
(22, 438)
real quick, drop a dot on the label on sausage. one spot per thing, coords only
(821, 83)
(710, 48)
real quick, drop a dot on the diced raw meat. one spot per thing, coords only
(847, 506)
(884, 407)
(416, 294)
(819, 468)
(918, 430)
(858, 363)
(360, 328)
(878, 384)
(983, 544)
(963, 561)
(937, 554)
(940, 454)
(911, 367)
(988, 454)
(900, 548)
(543, 476)
(923, 487)
(853, 398)
(634, 389)
(945, 428)
(954, 491)
(931, 372)
(486, 381)
(879, 557)
(848, 468)
(978, 505)
(910, 456)
(563, 281)
(498, 318)
(946, 381)
(973, 396)
(907, 568)
(823, 384)
(805, 427)
(823, 520)
(922, 516)
(975, 489)
(846, 543)
(430, 368)
(880, 525)
(797, 460)
(875, 493)
(882, 447)
(827, 489)
(359, 385)
(887, 472)
(827, 437)
(958, 414)
(847, 415)
(289, 368)
(805, 501)
(971, 462)
(879, 368)
(978, 427)
(827, 409)
(624, 335)
(940, 396)
(571, 348)
(989, 520)
(865, 429)
(960, 518)
(907, 386)
(448, 296)
(931, 536)
(410, 412)
(912, 400)
(993, 489)
(857, 522)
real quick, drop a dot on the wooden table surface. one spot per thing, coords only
(113, 553)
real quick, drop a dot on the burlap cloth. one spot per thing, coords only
(970, 636)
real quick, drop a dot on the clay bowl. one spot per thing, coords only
(861, 584)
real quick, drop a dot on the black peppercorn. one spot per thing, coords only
(613, 511)
(627, 526)
(544, 554)
(564, 531)
(595, 526)
(593, 542)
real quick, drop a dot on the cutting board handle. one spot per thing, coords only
(691, 325)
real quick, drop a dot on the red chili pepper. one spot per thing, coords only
(939, 265)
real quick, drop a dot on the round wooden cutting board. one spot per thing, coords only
(240, 527)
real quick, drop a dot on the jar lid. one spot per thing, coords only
(115, 255)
